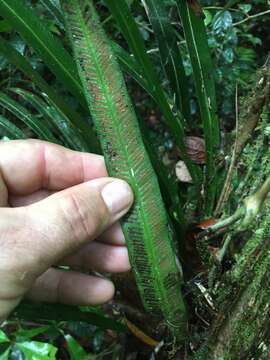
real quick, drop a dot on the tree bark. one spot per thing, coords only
(241, 330)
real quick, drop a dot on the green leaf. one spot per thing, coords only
(167, 182)
(145, 227)
(245, 7)
(57, 312)
(14, 57)
(35, 350)
(31, 27)
(169, 51)
(5, 355)
(130, 66)
(3, 337)
(5, 26)
(203, 75)
(29, 334)
(54, 10)
(75, 350)
(174, 120)
(208, 17)
(70, 134)
(222, 22)
(7, 128)
(97, 341)
(37, 126)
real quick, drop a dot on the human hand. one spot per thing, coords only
(53, 203)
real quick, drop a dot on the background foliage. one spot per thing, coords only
(41, 97)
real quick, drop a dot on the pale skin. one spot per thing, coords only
(58, 207)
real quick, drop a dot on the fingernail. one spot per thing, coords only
(118, 196)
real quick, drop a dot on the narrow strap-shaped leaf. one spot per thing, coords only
(24, 19)
(145, 226)
(169, 186)
(54, 10)
(5, 26)
(129, 65)
(169, 51)
(196, 40)
(15, 58)
(174, 120)
(76, 351)
(7, 128)
(55, 312)
(70, 134)
(5, 354)
(39, 128)
(167, 182)
(3, 337)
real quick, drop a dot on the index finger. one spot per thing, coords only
(30, 165)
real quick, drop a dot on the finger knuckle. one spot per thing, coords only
(84, 218)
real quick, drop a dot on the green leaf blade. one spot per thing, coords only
(10, 130)
(37, 126)
(145, 227)
(54, 10)
(49, 48)
(75, 350)
(5, 354)
(197, 45)
(170, 55)
(37, 350)
(3, 337)
(174, 120)
(70, 134)
(59, 312)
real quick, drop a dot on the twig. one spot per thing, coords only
(251, 17)
(223, 250)
(221, 8)
(226, 188)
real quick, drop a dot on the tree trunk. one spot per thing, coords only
(242, 327)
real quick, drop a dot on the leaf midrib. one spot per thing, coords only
(143, 215)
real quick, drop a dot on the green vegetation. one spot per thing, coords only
(198, 89)
(145, 228)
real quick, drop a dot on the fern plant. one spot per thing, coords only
(146, 226)
(97, 83)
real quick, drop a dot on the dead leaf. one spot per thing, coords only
(195, 148)
(182, 172)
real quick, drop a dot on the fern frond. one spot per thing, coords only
(145, 227)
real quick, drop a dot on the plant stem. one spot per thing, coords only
(251, 17)
(239, 213)
(254, 203)
(226, 188)
(251, 207)
(220, 8)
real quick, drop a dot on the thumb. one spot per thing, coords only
(63, 222)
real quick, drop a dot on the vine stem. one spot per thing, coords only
(239, 213)
(251, 17)
(226, 188)
(221, 8)
(251, 207)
